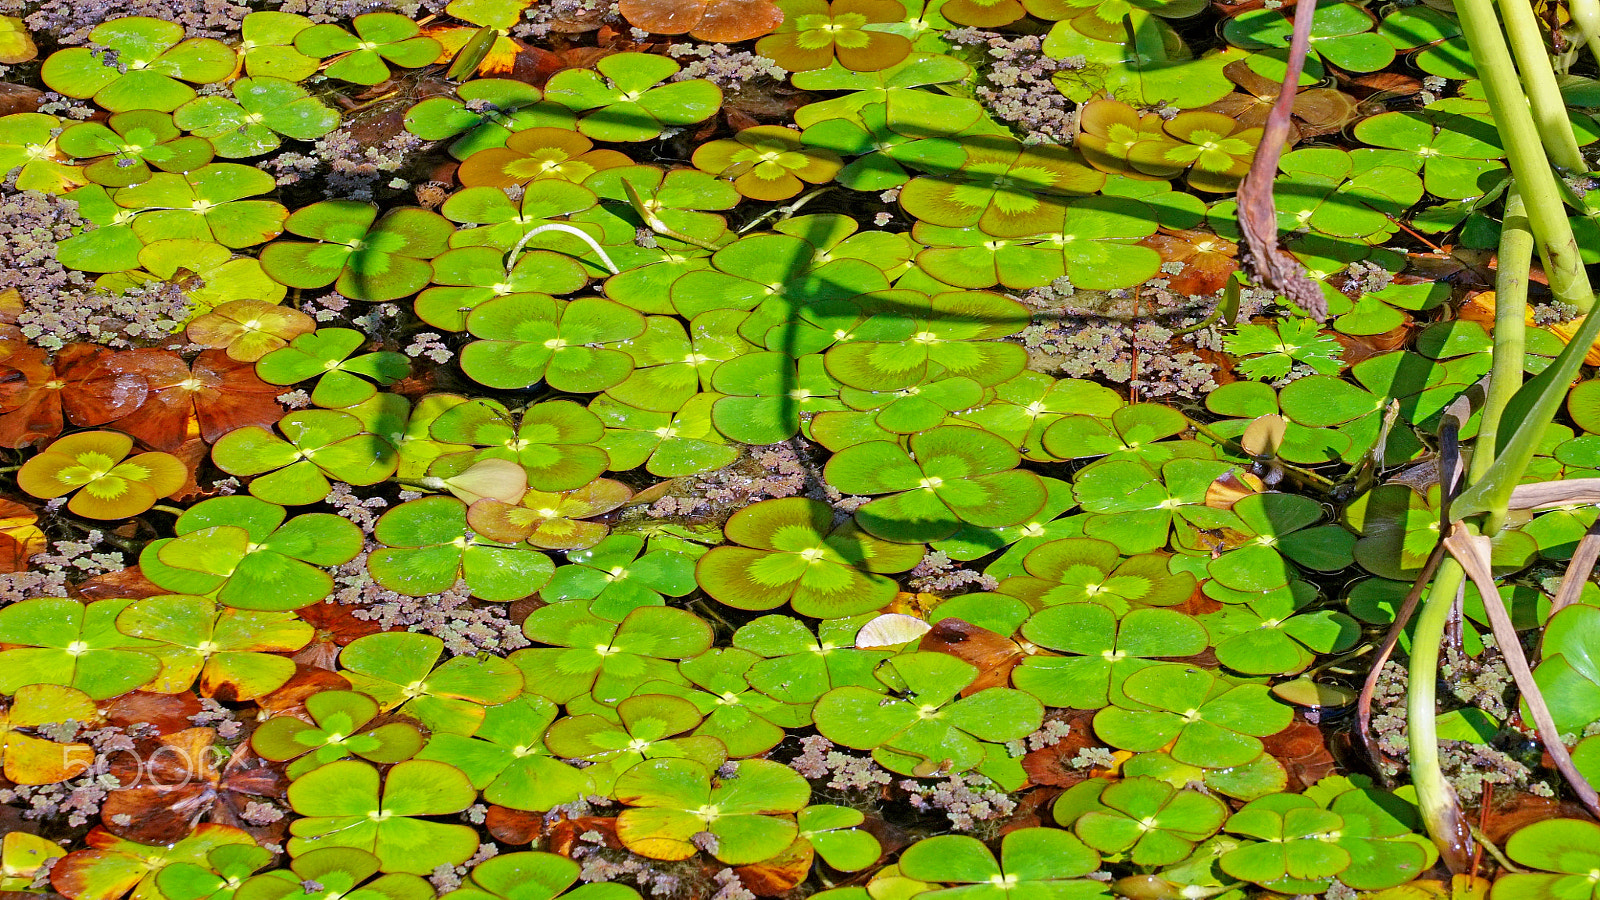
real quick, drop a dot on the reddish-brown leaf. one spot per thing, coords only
(1303, 751)
(1207, 260)
(127, 583)
(715, 21)
(167, 713)
(1053, 765)
(995, 655)
(221, 393)
(172, 782)
(513, 826)
(307, 680)
(562, 836)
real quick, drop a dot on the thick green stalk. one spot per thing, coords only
(1539, 80)
(1436, 799)
(1547, 214)
(1510, 339)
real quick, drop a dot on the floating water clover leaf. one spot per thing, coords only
(552, 520)
(1272, 350)
(669, 445)
(535, 876)
(1213, 149)
(767, 162)
(105, 483)
(791, 554)
(1275, 633)
(343, 724)
(429, 547)
(1134, 432)
(1034, 862)
(28, 147)
(240, 550)
(364, 57)
(588, 654)
(249, 329)
(1101, 650)
(745, 721)
(1379, 833)
(954, 334)
(507, 760)
(1568, 676)
(816, 32)
(504, 223)
(210, 204)
(317, 444)
(347, 804)
(232, 651)
(766, 394)
(397, 669)
(123, 149)
(267, 46)
(911, 112)
(32, 760)
(263, 112)
(646, 726)
(1138, 507)
(1154, 66)
(535, 154)
(932, 728)
(334, 872)
(1086, 570)
(670, 366)
(623, 98)
(466, 277)
(109, 867)
(22, 855)
(763, 268)
(834, 832)
(1459, 155)
(947, 476)
(1341, 34)
(1296, 843)
(1209, 721)
(528, 338)
(617, 575)
(362, 256)
(484, 112)
(798, 666)
(552, 441)
(1093, 242)
(73, 644)
(750, 816)
(342, 380)
(152, 63)
(1152, 822)
(223, 872)
(1286, 525)
(1568, 852)
(997, 184)
(1340, 194)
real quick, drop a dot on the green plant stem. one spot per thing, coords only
(166, 509)
(1436, 799)
(1539, 80)
(1510, 341)
(1547, 214)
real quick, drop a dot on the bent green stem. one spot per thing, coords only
(1436, 799)
(511, 258)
